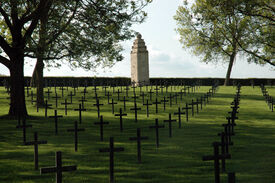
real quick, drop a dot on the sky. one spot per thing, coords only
(166, 56)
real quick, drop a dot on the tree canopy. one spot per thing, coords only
(84, 32)
(217, 30)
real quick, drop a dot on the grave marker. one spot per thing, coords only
(98, 107)
(124, 103)
(147, 107)
(111, 150)
(170, 120)
(113, 107)
(24, 127)
(75, 130)
(58, 168)
(135, 109)
(35, 143)
(157, 126)
(101, 124)
(216, 157)
(164, 103)
(179, 113)
(55, 120)
(120, 119)
(56, 99)
(138, 138)
(80, 109)
(156, 102)
(186, 111)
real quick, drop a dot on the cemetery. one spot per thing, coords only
(148, 145)
(80, 103)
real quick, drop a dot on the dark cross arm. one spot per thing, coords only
(141, 138)
(48, 170)
(159, 126)
(117, 149)
(211, 157)
(36, 142)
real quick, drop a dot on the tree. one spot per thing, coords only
(20, 19)
(216, 30)
(88, 37)
(26, 25)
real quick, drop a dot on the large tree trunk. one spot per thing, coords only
(17, 92)
(37, 77)
(229, 69)
(38, 81)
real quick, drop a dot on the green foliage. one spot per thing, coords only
(87, 34)
(210, 28)
(215, 30)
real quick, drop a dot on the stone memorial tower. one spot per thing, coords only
(139, 63)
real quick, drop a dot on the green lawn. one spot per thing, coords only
(178, 159)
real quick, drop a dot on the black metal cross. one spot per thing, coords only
(66, 106)
(216, 157)
(170, 120)
(124, 102)
(75, 130)
(138, 138)
(142, 94)
(179, 113)
(157, 126)
(48, 93)
(164, 102)
(82, 101)
(120, 118)
(127, 89)
(156, 102)
(157, 89)
(135, 109)
(71, 96)
(111, 150)
(150, 94)
(80, 109)
(118, 93)
(101, 124)
(108, 96)
(47, 107)
(192, 108)
(147, 107)
(135, 97)
(58, 168)
(35, 143)
(56, 99)
(24, 126)
(113, 107)
(55, 120)
(62, 90)
(98, 107)
(171, 99)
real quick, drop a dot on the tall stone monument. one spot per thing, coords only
(139, 63)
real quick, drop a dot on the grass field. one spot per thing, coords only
(177, 160)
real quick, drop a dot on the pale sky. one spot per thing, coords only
(166, 56)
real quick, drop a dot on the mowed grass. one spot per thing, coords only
(178, 159)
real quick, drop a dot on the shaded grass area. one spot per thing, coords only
(178, 159)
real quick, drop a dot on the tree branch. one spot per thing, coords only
(4, 45)
(42, 7)
(6, 17)
(65, 26)
(5, 61)
(256, 55)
